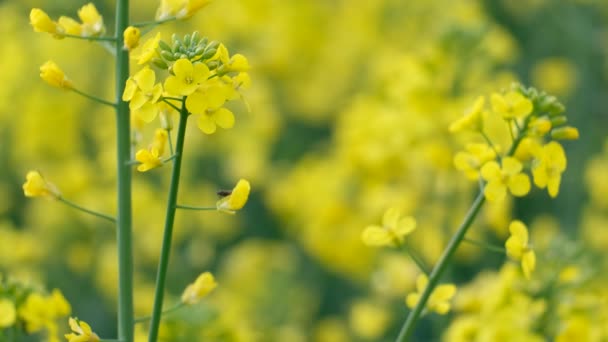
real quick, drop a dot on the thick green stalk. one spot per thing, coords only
(124, 217)
(168, 233)
(412, 318)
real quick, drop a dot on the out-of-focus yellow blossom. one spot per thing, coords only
(186, 77)
(179, 9)
(519, 248)
(471, 160)
(565, 133)
(8, 314)
(513, 105)
(81, 332)
(368, 320)
(92, 21)
(131, 37)
(576, 328)
(548, 170)
(237, 198)
(142, 94)
(42, 22)
(555, 75)
(41, 312)
(208, 121)
(147, 50)
(569, 274)
(202, 286)
(151, 158)
(331, 329)
(509, 176)
(36, 186)
(53, 75)
(392, 232)
(439, 301)
(472, 120)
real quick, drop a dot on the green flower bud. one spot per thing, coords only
(196, 37)
(565, 133)
(559, 121)
(159, 63)
(168, 56)
(208, 53)
(187, 40)
(164, 46)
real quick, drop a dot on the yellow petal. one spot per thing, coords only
(224, 118)
(519, 185)
(376, 236)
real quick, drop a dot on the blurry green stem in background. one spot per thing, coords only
(88, 211)
(190, 207)
(169, 220)
(94, 98)
(176, 307)
(124, 174)
(90, 38)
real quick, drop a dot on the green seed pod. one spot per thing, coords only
(159, 63)
(164, 46)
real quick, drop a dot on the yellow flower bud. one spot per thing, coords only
(131, 37)
(565, 133)
(237, 198)
(204, 284)
(37, 186)
(54, 76)
(42, 22)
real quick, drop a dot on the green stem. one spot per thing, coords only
(94, 98)
(485, 245)
(190, 207)
(170, 142)
(168, 311)
(88, 211)
(124, 218)
(408, 327)
(99, 39)
(168, 233)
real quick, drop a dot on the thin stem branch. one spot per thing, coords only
(171, 104)
(408, 327)
(168, 233)
(190, 207)
(94, 98)
(485, 245)
(417, 259)
(99, 39)
(165, 312)
(88, 211)
(124, 172)
(170, 142)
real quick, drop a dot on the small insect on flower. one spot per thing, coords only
(224, 193)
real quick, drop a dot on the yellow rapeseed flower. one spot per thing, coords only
(202, 286)
(513, 105)
(70, 26)
(179, 9)
(53, 75)
(471, 160)
(81, 332)
(518, 247)
(237, 198)
(499, 179)
(147, 50)
(186, 77)
(472, 120)
(150, 158)
(131, 37)
(392, 232)
(143, 94)
(212, 118)
(439, 301)
(8, 314)
(36, 186)
(42, 22)
(547, 171)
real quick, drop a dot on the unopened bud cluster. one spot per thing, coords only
(192, 47)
